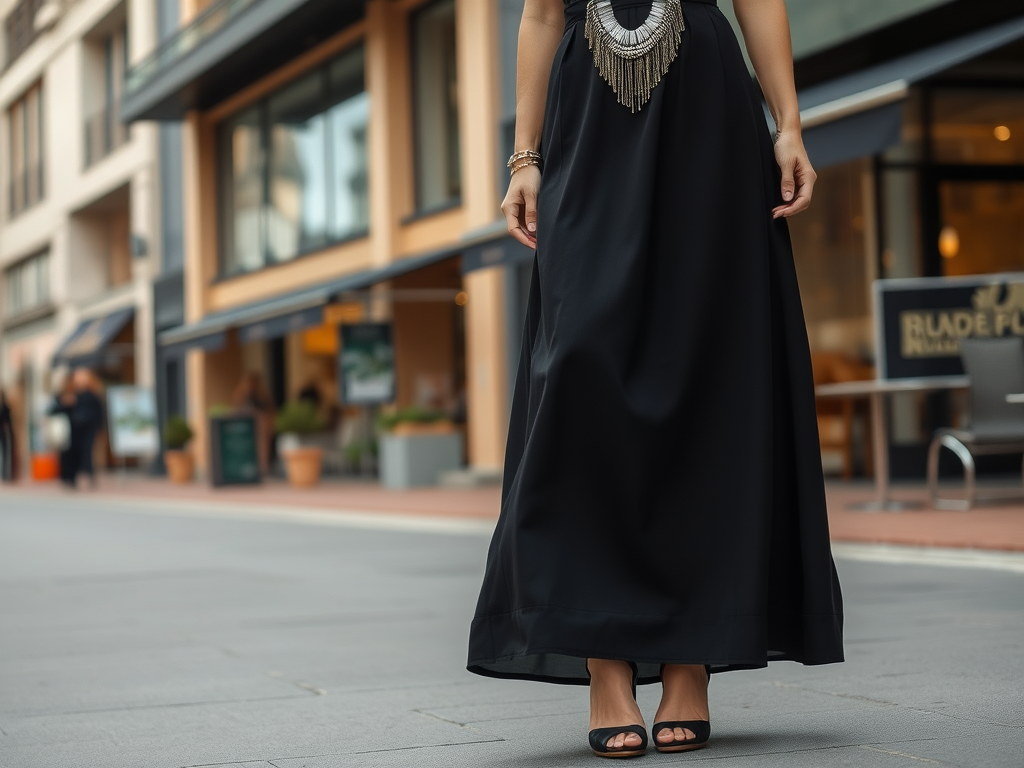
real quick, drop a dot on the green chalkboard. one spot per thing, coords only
(233, 457)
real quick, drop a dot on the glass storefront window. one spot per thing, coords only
(348, 118)
(436, 106)
(901, 223)
(833, 263)
(982, 227)
(978, 126)
(297, 210)
(241, 150)
(294, 168)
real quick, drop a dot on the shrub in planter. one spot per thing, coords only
(302, 463)
(415, 421)
(177, 458)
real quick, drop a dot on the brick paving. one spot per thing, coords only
(994, 526)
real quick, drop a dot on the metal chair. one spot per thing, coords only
(996, 369)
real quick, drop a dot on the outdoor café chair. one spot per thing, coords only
(996, 369)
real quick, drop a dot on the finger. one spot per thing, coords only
(511, 211)
(788, 181)
(801, 203)
(531, 212)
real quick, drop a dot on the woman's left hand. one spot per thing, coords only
(797, 174)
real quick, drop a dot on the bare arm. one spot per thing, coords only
(539, 35)
(765, 26)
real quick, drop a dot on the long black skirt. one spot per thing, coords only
(663, 497)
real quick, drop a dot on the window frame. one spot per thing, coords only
(26, 136)
(225, 170)
(421, 210)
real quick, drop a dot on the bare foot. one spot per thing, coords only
(612, 702)
(684, 697)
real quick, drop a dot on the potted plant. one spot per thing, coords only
(416, 446)
(415, 421)
(302, 462)
(177, 457)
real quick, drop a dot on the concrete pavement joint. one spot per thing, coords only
(173, 705)
(907, 755)
(883, 702)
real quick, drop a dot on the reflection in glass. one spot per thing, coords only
(979, 126)
(242, 154)
(294, 168)
(436, 104)
(297, 214)
(831, 251)
(988, 218)
(348, 118)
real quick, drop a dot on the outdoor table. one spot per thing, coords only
(1015, 398)
(877, 391)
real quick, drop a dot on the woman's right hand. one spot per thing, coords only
(520, 205)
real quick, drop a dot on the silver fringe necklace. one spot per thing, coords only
(633, 61)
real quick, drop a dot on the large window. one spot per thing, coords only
(25, 138)
(20, 28)
(28, 284)
(294, 168)
(104, 131)
(436, 106)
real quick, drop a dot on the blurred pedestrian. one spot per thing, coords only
(87, 420)
(6, 440)
(61, 433)
(663, 511)
(251, 396)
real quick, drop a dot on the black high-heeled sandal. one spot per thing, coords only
(599, 736)
(701, 730)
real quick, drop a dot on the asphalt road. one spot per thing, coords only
(162, 637)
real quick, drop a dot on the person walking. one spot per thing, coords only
(6, 440)
(87, 421)
(68, 437)
(663, 508)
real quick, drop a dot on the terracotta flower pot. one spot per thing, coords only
(179, 466)
(303, 466)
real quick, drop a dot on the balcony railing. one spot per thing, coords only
(213, 18)
(104, 132)
(25, 189)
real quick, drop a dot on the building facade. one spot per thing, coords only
(341, 164)
(79, 223)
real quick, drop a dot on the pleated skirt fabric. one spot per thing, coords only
(662, 499)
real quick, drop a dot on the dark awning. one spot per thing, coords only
(89, 344)
(228, 46)
(857, 114)
(292, 312)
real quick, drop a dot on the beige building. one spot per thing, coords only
(341, 165)
(78, 217)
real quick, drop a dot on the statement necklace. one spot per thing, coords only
(633, 61)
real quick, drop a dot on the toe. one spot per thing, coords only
(632, 740)
(665, 735)
(679, 734)
(688, 734)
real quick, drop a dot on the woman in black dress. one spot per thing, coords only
(663, 509)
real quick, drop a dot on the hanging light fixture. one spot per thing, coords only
(949, 242)
(1002, 132)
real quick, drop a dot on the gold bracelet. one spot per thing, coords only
(524, 154)
(524, 163)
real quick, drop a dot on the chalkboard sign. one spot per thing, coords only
(233, 451)
(367, 364)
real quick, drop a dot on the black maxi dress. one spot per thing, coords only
(663, 498)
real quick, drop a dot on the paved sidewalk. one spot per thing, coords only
(144, 635)
(988, 526)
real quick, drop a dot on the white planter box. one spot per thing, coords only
(407, 461)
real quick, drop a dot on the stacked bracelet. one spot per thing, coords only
(520, 160)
